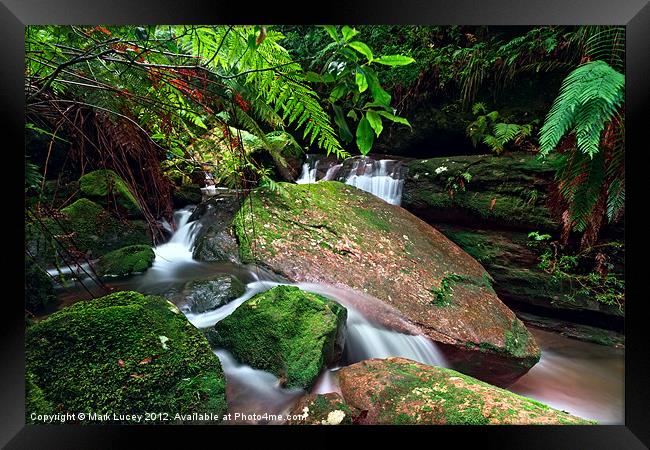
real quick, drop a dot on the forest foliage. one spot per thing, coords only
(162, 105)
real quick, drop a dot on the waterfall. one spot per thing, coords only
(178, 250)
(383, 178)
(309, 172)
(254, 392)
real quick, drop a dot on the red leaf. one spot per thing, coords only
(120, 363)
(145, 361)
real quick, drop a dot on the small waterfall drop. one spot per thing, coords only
(309, 171)
(366, 340)
(178, 250)
(383, 178)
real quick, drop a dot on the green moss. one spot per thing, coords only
(510, 191)
(107, 187)
(479, 246)
(285, 331)
(442, 294)
(124, 353)
(435, 395)
(517, 339)
(90, 228)
(35, 401)
(126, 260)
(373, 219)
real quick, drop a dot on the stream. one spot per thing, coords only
(581, 378)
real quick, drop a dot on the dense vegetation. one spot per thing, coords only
(509, 142)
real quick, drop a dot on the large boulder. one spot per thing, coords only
(506, 191)
(336, 234)
(396, 391)
(126, 261)
(291, 333)
(123, 353)
(108, 189)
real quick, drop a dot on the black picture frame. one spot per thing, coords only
(634, 14)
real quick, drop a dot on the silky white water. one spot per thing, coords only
(178, 250)
(382, 178)
(308, 174)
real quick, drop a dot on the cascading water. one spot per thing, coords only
(559, 379)
(309, 171)
(383, 178)
(259, 391)
(178, 250)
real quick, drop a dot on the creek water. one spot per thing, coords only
(580, 378)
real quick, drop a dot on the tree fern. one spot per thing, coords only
(590, 96)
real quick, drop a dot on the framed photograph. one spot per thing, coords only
(390, 218)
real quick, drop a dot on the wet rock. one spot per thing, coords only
(204, 295)
(288, 332)
(398, 391)
(333, 233)
(215, 240)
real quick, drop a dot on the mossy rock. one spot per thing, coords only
(322, 409)
(398, 391)
(507, 191)
(288, 332)
(126, 260)
(123, 353)
(35, 402)
(91, 229)
(39, 289)
(333, 233)
(514, 265)
(107, 188)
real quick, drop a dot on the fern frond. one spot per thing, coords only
(589, 97)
